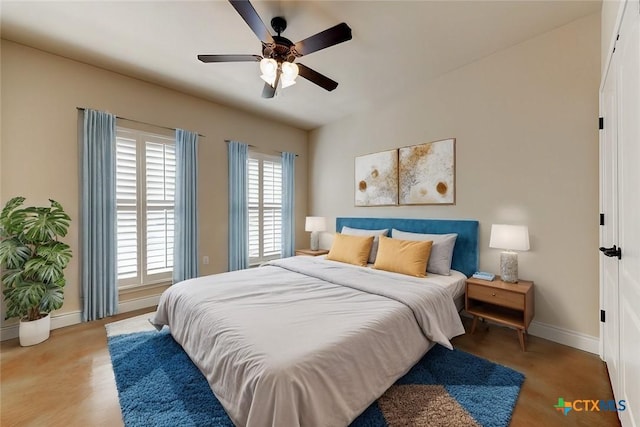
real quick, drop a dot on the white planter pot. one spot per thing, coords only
(34, 332)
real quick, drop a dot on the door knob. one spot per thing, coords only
(612, 252)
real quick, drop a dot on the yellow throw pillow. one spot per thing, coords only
(403, 256)
(350, 249)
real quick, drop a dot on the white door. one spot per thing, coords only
(609, 231)
(620, 202)
(628, 49)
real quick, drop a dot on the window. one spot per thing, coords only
(265, 207)
(145, 186)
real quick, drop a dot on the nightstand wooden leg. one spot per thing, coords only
(521, 337)
(474, 324)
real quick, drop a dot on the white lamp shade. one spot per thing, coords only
(315, 223)
(269, 79)
(510, 237)
(289, 70)
(286, 83)
(268, 66)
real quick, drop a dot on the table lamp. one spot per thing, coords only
(315, 224)
(511, 238)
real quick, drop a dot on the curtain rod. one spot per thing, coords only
(253, 146)
(138, 121)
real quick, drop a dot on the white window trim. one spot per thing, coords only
(142, 279)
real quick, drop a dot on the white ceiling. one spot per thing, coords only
(395, 44)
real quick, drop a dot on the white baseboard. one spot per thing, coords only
(10, 332)
(563, 336)
(75, 317)
(57, 321)
(138, 303)
(573, 339)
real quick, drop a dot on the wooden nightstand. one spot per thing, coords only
(309, 252)
(510, 304)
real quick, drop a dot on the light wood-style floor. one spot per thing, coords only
(68, 380)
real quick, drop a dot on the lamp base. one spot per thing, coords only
(509, 267)
(315, 240)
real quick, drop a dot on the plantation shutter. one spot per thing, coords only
(272, 208)
(265, 207)
(160, 179)
(126, 197)
(145, 193)
(253, 194)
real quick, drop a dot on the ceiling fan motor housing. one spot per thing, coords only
(282, 48)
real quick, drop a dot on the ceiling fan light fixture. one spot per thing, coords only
(268, 67)
(286, 83)
(269, 79)
(289, 74)
(289, 71)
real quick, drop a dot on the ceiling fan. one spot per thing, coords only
(279, 53)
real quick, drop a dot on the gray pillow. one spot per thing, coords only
(362, 232)
(441, 251)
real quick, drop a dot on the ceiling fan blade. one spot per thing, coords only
(229, 58)
(317, 78)
(327, 38)
(251, 17)
(269, 91)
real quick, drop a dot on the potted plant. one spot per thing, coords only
(32, 261)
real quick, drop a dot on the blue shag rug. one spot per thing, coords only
(158, 385)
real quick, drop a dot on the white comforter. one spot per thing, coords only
(305, 341)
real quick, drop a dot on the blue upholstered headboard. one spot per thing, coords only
(465, 252)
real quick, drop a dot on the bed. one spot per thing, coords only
(465, 252)
(305, 341)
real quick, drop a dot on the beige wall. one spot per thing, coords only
(526, 152)
(39, 152)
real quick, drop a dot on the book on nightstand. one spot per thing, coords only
(483, 275)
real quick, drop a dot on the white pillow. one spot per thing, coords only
(362, 232)
(441, 251)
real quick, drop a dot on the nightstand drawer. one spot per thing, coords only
(496, 296)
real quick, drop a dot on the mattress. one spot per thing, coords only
(305, 341)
